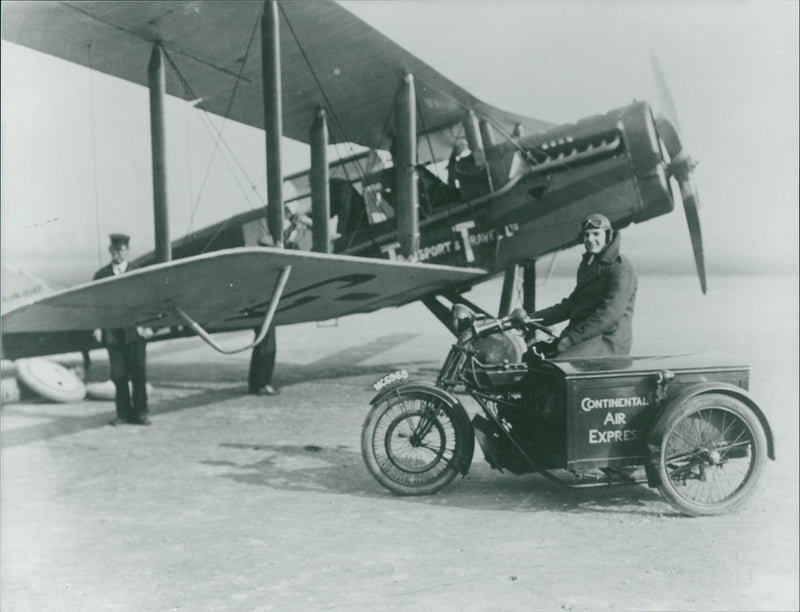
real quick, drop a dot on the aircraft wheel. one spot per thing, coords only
(712, 455)
(50, 380)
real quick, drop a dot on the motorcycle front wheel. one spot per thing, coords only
(414, 443)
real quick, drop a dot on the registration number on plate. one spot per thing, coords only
(394, 377)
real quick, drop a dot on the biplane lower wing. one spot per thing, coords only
(232, 289)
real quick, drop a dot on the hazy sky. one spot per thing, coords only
(75, 144)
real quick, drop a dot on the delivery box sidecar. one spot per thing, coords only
(688, 420)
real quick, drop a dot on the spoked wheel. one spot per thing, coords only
(712, 455)
(414, 443)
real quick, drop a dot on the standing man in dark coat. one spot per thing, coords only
(600, 309)
(126, 348)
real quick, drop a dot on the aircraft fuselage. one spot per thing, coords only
(609, 163)
(525, 202)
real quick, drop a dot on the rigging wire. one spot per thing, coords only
(426, 133)
(500, 128)
(525, 153)
(214, 132)
(94, 154)
(329, 107)
(433, 155)
(384, 130)
(337, 124)
(219, 142)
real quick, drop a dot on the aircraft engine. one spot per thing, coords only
(574, 162)
(628, 132)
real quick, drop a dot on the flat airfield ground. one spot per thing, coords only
(235, 502)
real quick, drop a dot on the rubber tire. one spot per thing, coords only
(50, 380)
(368, 433)
(747, 488)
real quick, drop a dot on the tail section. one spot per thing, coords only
(20, 287)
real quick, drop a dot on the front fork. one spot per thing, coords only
(428, 419)
(445, 401)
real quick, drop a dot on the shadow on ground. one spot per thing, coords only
(70, 424)
(194, 379)
(342, 471)
(164, 370)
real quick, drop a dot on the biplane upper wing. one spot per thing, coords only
(330, 59)
(233, 288)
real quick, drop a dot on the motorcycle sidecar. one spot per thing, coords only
(688, 419)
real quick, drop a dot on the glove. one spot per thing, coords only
(546, 349)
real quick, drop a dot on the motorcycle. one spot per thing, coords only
(688, 422)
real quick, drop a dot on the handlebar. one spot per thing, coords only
(516, 319)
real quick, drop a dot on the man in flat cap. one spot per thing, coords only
(600, 309)
(126, 348)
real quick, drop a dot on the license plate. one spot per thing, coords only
(394, 377)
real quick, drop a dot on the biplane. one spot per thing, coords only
(445, 192)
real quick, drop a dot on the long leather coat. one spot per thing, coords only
(602, 302)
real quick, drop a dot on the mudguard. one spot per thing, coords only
(656, 434)
(461, 418)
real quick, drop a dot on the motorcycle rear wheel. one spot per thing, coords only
(412, 443)
(712, 455)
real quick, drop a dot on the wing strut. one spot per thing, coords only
(520, 275)
(273, 304)
(156, 77)
(273, 116)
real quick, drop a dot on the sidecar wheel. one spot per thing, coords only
(712, 455)
(413, 443)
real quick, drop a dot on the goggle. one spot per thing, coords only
(594, 223)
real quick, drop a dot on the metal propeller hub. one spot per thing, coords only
(682, 166)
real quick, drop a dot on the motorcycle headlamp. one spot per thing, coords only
(463, 318)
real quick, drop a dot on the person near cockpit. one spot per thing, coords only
(600, 308)
(459, 152)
